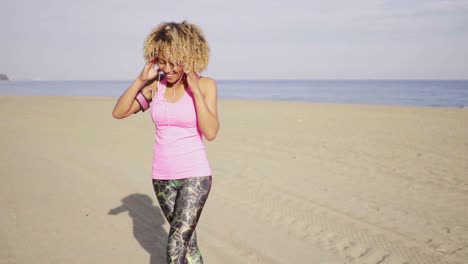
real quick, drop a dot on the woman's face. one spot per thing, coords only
(172, 71)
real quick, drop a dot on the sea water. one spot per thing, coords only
(435, 93)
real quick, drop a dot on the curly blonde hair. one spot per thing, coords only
(181, 43)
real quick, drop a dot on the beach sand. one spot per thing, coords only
(292, 183)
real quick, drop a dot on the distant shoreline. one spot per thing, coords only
(3, 77)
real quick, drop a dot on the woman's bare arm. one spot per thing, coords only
(135, 106)
(206, 102)
(126, 104)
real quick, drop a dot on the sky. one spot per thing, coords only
(293, 39)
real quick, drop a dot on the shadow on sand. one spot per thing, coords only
(148, 224)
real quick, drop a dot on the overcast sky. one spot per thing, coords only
(307, 39)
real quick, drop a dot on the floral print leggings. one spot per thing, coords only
(182, 202)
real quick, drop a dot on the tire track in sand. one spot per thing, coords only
(355, 240)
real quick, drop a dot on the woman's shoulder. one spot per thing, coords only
(207, 82)
(207, 85)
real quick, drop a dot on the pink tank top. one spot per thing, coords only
(179, 151)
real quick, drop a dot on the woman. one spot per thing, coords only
(184, 110)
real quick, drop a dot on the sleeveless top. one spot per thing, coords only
(179, 151)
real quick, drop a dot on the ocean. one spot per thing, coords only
(434, 93)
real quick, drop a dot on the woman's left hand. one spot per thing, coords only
(192, 81)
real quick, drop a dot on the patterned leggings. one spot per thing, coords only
(182, 203)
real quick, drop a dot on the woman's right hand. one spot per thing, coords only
(149, 72)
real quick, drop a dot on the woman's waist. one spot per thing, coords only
(177, 158)
(176, 133)
(179, 146)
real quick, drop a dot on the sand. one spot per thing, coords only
(292, 183)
